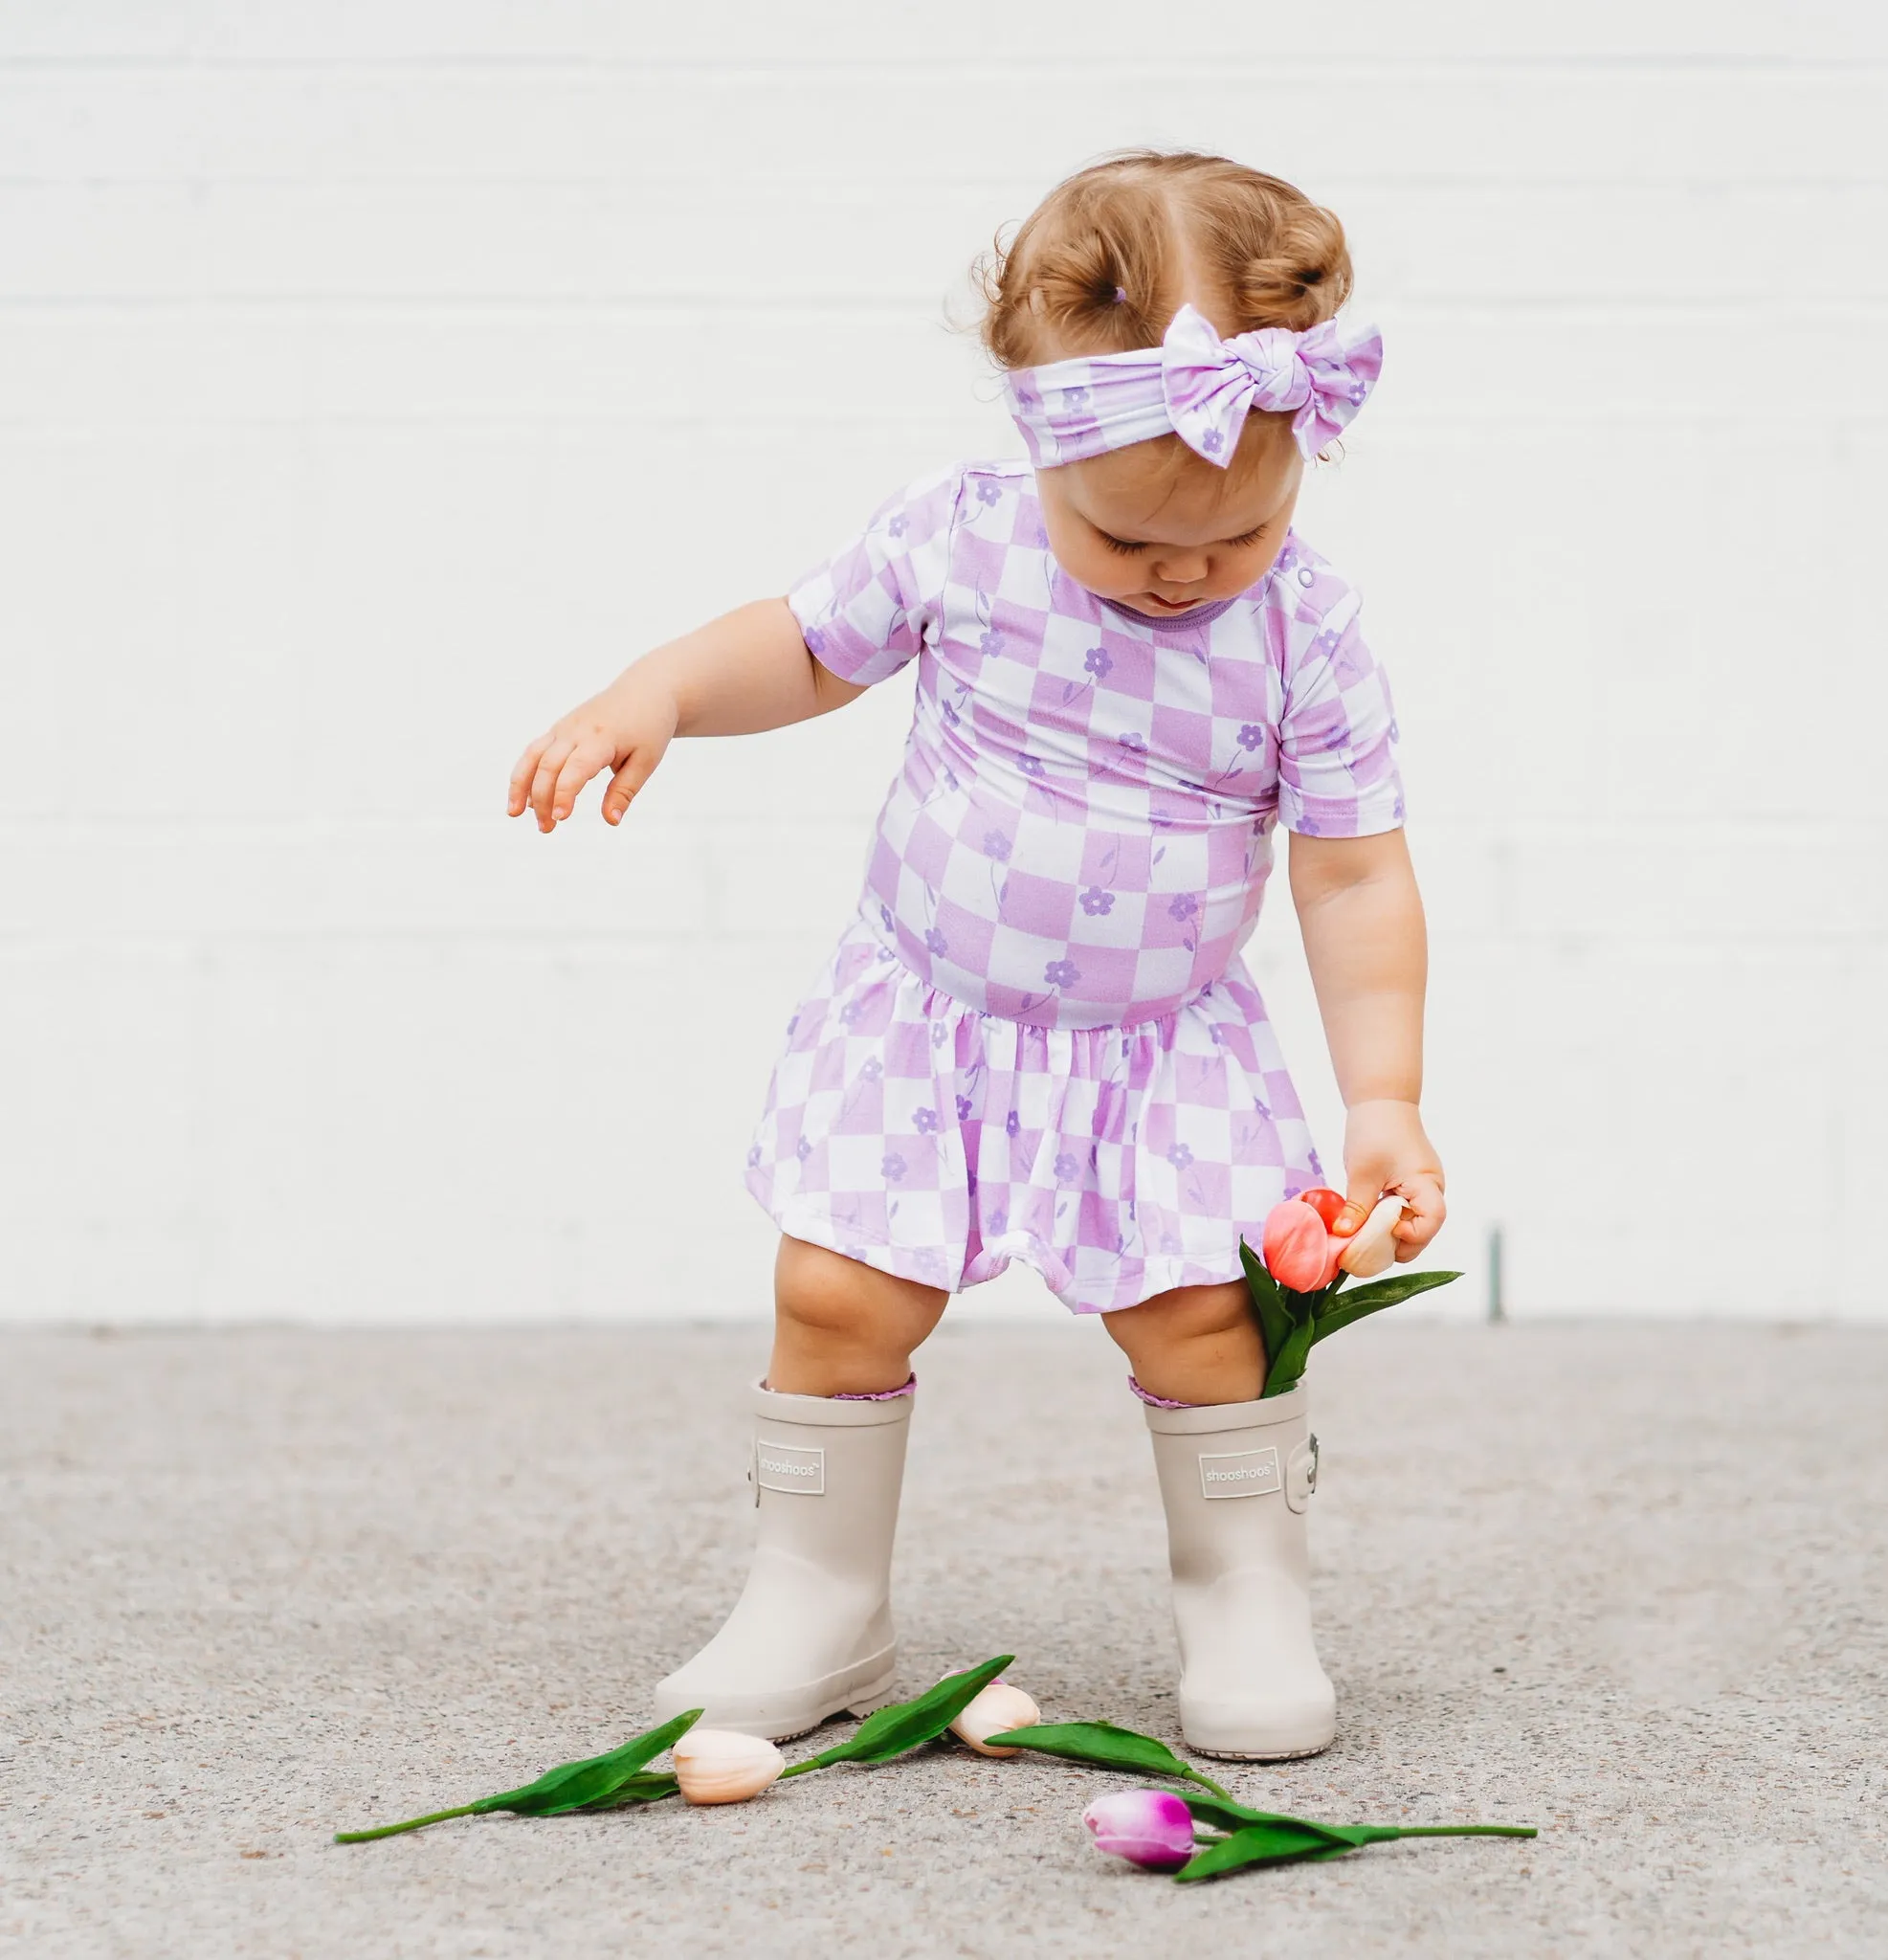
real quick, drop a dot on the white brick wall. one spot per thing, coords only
(357, 368)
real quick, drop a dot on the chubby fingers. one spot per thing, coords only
(1364, 1188)
(542, 797)
(637, 769)
(1423, 1211)
(585, 760)
(522, 771)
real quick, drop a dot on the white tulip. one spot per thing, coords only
(718, 1765)
(997, 1712)
(1372, 1249)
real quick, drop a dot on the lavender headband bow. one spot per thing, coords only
(1198, 387)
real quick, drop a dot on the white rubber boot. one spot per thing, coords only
(1235, 1478)
(812, 1633)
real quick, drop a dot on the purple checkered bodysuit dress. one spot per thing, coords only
(1038, 1040)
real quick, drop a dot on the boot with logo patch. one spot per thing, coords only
(1235, 1478)
(812, 1633)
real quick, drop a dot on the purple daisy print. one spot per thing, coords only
(1092, 798)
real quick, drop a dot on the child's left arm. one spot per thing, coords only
(1361, 917)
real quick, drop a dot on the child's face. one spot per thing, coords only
(1163, 538)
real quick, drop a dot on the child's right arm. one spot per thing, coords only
(746, 671)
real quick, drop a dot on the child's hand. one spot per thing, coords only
(1385, 1153)
(626, 728)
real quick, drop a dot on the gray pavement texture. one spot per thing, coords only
(1622, 1582)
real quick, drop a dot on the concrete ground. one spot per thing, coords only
(1626, 1583)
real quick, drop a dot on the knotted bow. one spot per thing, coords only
(1200, 388)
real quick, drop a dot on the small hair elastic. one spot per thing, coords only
(1197, 387)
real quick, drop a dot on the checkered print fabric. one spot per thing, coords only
(1037, 1041)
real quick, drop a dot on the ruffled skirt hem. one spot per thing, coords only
(937, 1143)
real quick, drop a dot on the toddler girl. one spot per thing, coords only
(1037, 1041)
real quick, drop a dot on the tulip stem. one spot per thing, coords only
(1468, 1831)
(1219, 1789)
(465, 1810)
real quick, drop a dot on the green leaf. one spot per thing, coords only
(592, 1784)
(1274, 1839)
(1224, 1814)
(652, 1786)
(906, 1725)
(1106, 1748)
(1269, 1309)
(1283, 1843)
(1375, 1297)
(572, 1786)
(1287, 1364)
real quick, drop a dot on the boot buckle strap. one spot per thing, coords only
(1302, 1474)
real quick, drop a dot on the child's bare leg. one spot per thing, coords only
(1196, 1344)
(811, 1632)
(844, 1328)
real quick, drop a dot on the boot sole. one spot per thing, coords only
(1316, 1749)
(837, 1700)
(859, 1706)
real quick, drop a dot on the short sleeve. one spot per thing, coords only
(1337, 742)
(868, 609)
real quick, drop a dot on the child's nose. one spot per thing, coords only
(1181, 567)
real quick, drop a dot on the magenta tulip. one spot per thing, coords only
(1151, 1828)
(1298, 1251)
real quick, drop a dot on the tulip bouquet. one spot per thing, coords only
(1302, 1265)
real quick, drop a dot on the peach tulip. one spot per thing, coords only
(1372, 1248)
(1297, 1251)
(719, 1766)
(995, 1711)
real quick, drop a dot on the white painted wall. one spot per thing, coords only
(377, 375)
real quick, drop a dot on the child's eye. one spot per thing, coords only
(1122, 545)
(1250, 538)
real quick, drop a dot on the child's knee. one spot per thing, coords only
(826, 1297)
(1181, 1317)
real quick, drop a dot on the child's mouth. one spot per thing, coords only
(1170, 605)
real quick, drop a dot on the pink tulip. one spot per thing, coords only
(1298, 1251)
(1151, 1828)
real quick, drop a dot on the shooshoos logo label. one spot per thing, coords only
(780, 1466)
(1249, 1474)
